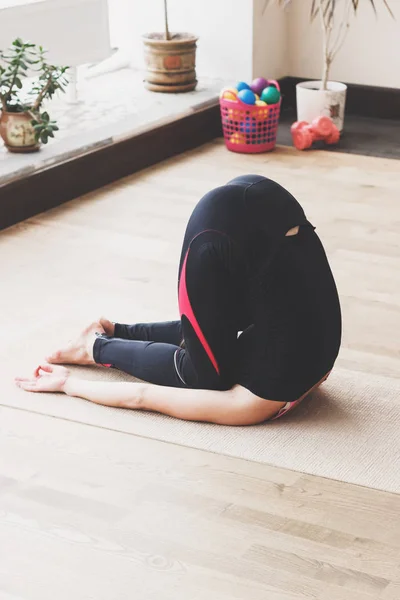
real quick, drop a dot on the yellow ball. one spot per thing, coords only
(257, 98)
(262, 113)
(238, 138)
(260, 102)
(229, 94)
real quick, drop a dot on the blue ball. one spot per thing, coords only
(242, 85)
(247, 96)
(248, 127)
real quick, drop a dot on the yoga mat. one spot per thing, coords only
(347, 430)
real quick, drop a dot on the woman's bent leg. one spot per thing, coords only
(154, 362)
(209, 304)
(211, 311)
(169, 332)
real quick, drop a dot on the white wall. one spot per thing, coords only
(370, 55)
(241, 39)
(224, 28)
(270, 34)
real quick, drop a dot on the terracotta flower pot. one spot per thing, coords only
(17, 132)
(170, 64)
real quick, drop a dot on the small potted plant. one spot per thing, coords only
(170, 60)
(325, 97)
(24, 125)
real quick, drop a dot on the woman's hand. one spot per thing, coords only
(46, 378)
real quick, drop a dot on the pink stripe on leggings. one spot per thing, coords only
(186, 310)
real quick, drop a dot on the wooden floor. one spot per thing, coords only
(94, 514)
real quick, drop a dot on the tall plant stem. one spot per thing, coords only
(342, 30)
(325, 40)
(167, 34)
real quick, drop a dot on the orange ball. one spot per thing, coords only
(234, 114)
(237, 138)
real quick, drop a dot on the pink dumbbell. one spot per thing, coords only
(322, 128)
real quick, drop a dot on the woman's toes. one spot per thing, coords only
(53, 358)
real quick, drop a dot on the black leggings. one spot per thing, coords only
(212, 314)
(240, 273)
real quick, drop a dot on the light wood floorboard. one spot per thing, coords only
(90, 513)
(94, 514)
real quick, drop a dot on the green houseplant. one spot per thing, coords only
(170, 60)
(325, 97)
(24, 124)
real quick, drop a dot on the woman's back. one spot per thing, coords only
(295, 309)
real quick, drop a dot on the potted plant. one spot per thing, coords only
(24, 125)
(325, 97)
(170, 60)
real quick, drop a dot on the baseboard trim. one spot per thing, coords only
(53, 186)
(362, 100)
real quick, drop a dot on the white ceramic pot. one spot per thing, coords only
(313, 102)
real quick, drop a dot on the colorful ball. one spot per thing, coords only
(271, 95)
(229, 94)
(249, 126)
(258, 85)
(242, 85)
(237, 138)
(262, 113)
(247, 96)
(234, 114)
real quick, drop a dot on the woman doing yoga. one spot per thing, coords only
(260, 322)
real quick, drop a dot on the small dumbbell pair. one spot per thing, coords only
(322, 128)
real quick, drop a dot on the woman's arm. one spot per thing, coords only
(237, 406)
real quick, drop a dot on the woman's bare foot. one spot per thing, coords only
(80, 351)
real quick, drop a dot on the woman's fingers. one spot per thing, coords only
(43, 373)
(43, 369)
(46, 367)
(56, 370)
(27, 385)
(46, 378)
